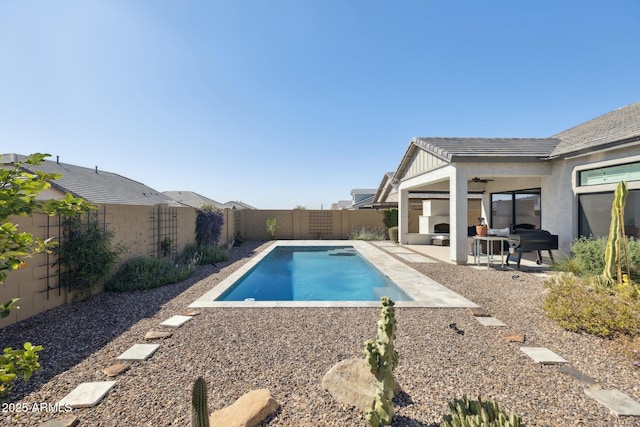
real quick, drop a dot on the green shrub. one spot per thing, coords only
(140, 273)
(393, 234)
(367, 233)
(588, 257)
(272, 227)
(87, 256)
(585, 304)
(390, 218)
(478, 413)
(207, 254)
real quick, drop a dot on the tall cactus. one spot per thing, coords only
(612, 254)
(199, 411)
(382, 359)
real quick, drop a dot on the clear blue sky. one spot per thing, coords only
(283, 103)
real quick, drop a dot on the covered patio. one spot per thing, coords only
(465, 168)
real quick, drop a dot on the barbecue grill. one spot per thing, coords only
(530, 241)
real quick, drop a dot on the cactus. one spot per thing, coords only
(199, 411)
(478, 413)
(382, 359)
(613, 250)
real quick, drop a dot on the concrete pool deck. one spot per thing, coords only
(424, 291)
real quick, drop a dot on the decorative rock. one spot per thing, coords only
(115, 370)
(478, 312)
(248, 411)
(69, 421)
(514, 337)
(351, 382)
(191, 312)
(153, 335)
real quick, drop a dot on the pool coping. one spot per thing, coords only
(425, 291)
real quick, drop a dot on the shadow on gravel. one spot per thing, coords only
(399, 421)
(71, 333)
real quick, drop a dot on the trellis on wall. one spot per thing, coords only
(320, 224)
(164, 231)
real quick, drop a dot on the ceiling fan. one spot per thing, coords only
(484, 181)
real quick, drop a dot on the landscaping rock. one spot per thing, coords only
(514, 337)
(69, 421)
(115, 370)
(154, 335)
(351, 382)
(248, 411)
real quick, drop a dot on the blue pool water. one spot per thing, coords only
(318, 273)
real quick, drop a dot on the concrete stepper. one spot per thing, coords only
(490, 321)
(87, 394)
(176, 321)
(543, 355)
(618, 402)
(139, 352)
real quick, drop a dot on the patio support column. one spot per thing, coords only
(403, 216)
(458, 208)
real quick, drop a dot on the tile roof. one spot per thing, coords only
(236, 205)
(95, 185)
(456, 149)
(616, 126)
(189, 198)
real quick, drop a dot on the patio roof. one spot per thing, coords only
(464, 149)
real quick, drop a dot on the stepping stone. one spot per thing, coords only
(490, 321)
(115, 370)
(478, 312)
(87, 395)
(154, 335)
(139, 352)
(514, 337)
(68, 421)
(618, 402)
(579, 376)
(399, 250)
(176, 321)
(543, 355)
(191, 312)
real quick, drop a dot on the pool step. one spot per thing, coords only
(342, 252)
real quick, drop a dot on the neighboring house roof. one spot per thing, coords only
(616, 127)
(342, 204)
(364, 203)
(189, 198)
(363, 191)
(95, 185)
(236, 205)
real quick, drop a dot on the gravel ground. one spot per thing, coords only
(289, 350)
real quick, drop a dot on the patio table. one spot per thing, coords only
(477, 247)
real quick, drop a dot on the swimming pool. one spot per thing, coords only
(313, 273)
(424, 291)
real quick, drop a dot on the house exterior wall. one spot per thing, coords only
(560, 190)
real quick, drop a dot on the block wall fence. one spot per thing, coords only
(141, 230)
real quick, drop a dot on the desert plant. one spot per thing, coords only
(199, 411)
(587, 304)
(393, 234)
(616, 244)
(140, 273)
(367, 233)
(588, 253)
(209, 224)
(478, 413)
(208, 254)
(272, 227)
(382, 359)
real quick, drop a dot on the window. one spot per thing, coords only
(516, 209)
(610, 174)
(594, 212)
